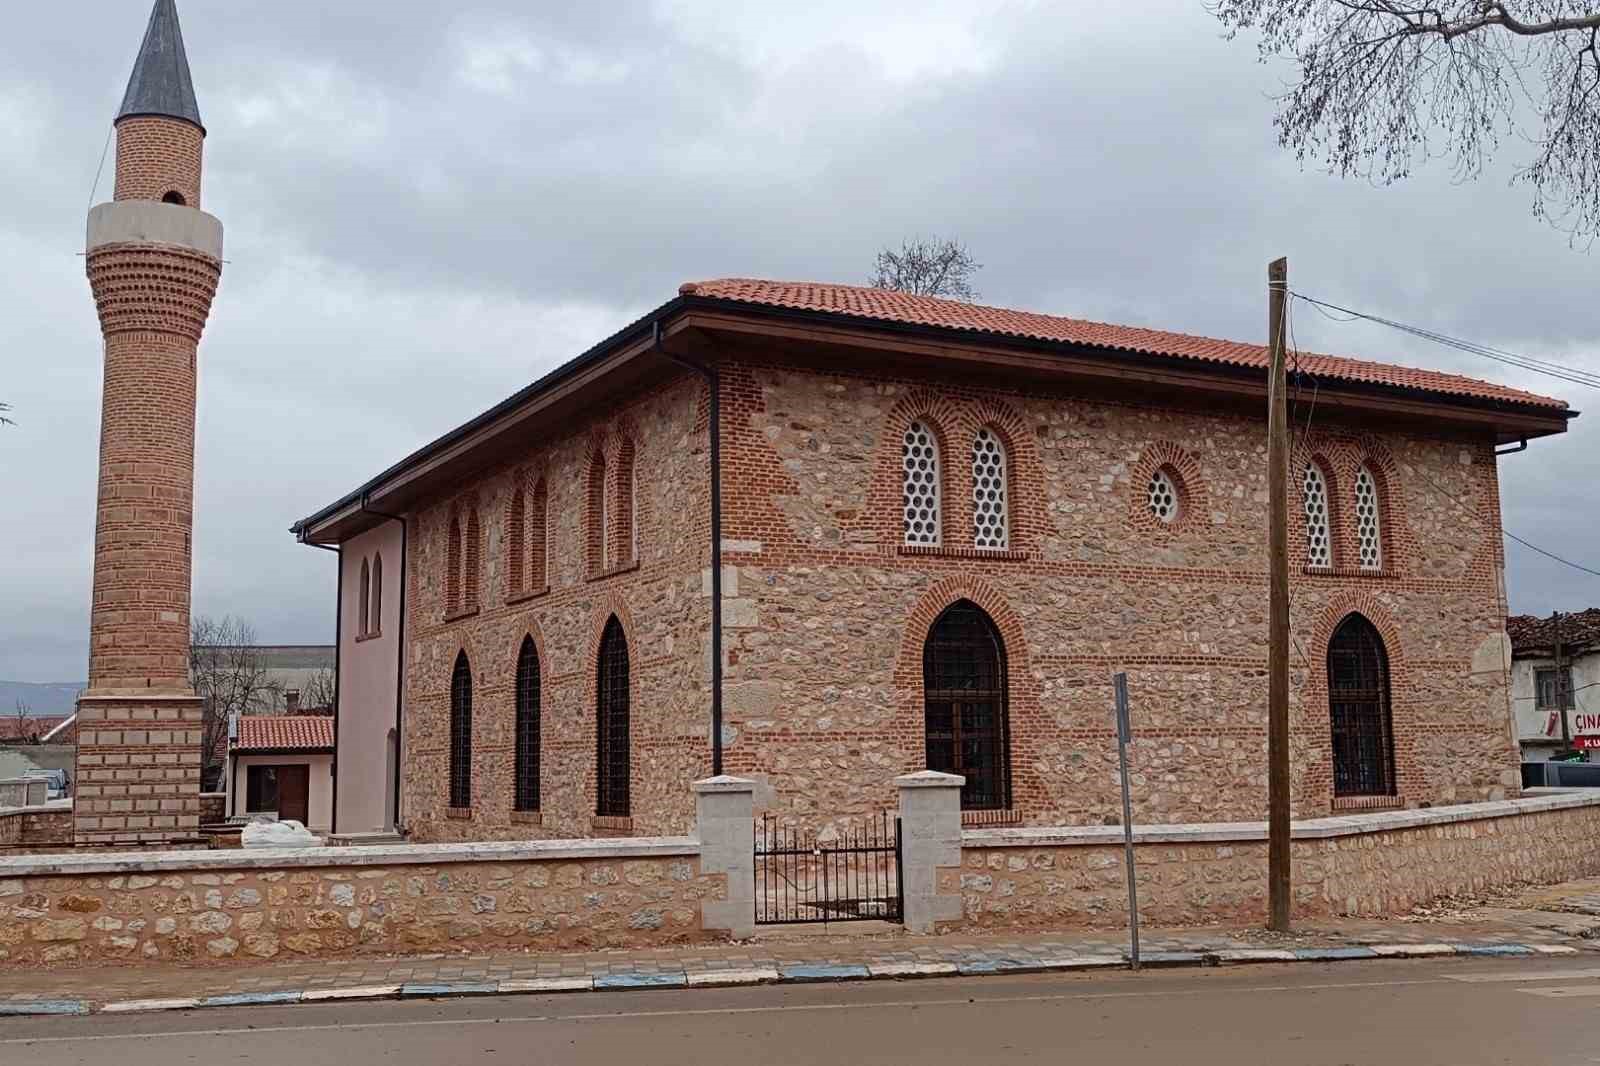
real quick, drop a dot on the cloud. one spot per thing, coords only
(428, 205)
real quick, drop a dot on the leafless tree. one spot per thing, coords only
(229, 673)
(1385, 85)
(29, 729)
(4, 421)
(317, 693)
(928, 267)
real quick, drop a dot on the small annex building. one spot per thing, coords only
(941, 527)
(282, 765)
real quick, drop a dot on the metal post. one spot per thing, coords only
(1119, 681)
(1278, 610)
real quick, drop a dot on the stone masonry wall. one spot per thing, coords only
(658, 596)
(217, 913)
(1364, 874)
(33, 829)
(828, 611)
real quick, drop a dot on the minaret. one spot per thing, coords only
(154, 259)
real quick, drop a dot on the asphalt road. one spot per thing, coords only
(1539, 1012)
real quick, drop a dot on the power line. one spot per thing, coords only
(1574, 375)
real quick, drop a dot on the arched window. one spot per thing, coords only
(1164, 498)
(1314, 495)
(469, 580)
(364, 600)
(964, 704)
(538, 534)
(461, 733)
(516, 540)
(1369, 535)
(990, 524)
(452, 562)
(375, 613)
(1358, 706)
(527, 741)
(173, 197)
(920, 462)
(597, 513)
(611, 707)
(625, 543)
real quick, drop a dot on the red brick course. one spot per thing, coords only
(157, 156)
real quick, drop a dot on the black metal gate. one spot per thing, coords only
(853, 877)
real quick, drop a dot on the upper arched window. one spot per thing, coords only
(461, 733)
(364, 600)
(516, 535)
(624, 532)
(964, 705)
(1369, 532)
(472, 550)
(537, 532)
(990, 517)
(527, 740)
(375, 612)
(173, 197)
(452, 562)
(1358, 708)
(1163, 495)
(920, 473)
(1314, 495)
(612, 762)
(597, 538)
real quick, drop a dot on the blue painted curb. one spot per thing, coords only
(1175, 958)
(804, 974)
(455, 988)
(676, 979)
(1497, 950)
(1333, 954)
(249, 999)
(982, 964)
(20, 1007)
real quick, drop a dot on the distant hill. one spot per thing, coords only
(41, 699)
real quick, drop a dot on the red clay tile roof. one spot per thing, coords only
(300, 732)
(1531, 634)
(887, 305)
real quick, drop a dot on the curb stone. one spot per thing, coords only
(797, 973)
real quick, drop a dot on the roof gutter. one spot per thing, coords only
(714, 385)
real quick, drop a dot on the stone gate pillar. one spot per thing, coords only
(725, 823)
(930, 841)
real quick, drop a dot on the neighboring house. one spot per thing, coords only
(943, 528)
(282, 766)
(1542, 690)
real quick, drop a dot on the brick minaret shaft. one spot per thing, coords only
(153, 259)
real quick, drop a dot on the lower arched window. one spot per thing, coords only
(527, 743)
(611, 706)
(461, 733)
(1358, 706)
(964, 694)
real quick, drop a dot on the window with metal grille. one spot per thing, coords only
(527, 742)
(1314, 495)
(1553, 689)
(1163, 496)
(920, 460)
(965, 714)
(611, 691)
(364, 603)
(461, 733)
(989, 518)
(1369, 541)
(1358, 705)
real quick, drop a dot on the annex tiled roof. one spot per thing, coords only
(301, 732)
(852, 301)
(1531, 634)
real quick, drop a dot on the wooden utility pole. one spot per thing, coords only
(1278, 608)
(1563, 685)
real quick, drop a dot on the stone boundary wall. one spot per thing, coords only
(1362, 865)
(555, 895)
(47, 826)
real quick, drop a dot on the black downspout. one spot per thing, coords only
(399, 657)
(338, 648)
(714, 383)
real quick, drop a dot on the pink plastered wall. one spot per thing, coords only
(368, 664)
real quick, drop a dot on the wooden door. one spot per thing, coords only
(294, 793)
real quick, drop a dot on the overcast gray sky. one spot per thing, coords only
(427, 205)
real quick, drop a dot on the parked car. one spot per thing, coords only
(56, 787)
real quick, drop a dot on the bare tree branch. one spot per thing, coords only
(928, 267)
(229, 673)
(1385, 85)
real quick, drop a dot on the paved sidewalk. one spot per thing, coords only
(781, 955)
